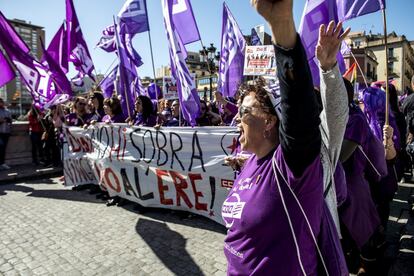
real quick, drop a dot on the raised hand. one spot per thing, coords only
(279, 15)
(329, 43)
(273, 9)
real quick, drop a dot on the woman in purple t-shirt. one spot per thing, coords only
(274, 211)
(113, 111)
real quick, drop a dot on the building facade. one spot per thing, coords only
(366, 60)
(400, 55)
(15, 92)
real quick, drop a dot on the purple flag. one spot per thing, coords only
(33, 73)
(58, 49)
(12, 35)
(153, 91)
(133, 17)
(127, 75)
(255, 39)
(108, 83)
(77, 47)
(189, 100)
(7, 73)
(184, 21)
(348, 9)
(77, 80)
(107, 41)
(59, 77)
(317, 12)
(232, 55)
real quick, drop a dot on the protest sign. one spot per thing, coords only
(169, 87)
(260, 61)
(174, 168)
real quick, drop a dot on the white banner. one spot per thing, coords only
(260, 61)
(174, 168)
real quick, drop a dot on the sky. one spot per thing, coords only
(95, 15)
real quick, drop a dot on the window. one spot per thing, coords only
(390, 52)
(391, 67)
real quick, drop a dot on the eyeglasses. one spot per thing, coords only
(243, 110)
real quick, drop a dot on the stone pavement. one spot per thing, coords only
(47, 229)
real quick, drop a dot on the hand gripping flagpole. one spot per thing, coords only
(387, 95)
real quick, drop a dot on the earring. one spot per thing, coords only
(266, 134)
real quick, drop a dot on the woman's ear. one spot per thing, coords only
(270, 122)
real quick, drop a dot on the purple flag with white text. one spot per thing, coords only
(184, 21)
(7, 72)
(107, 41)
(58, 49)
(133, 17)
(77, 47)
(348, 9)
(59, 77)
(231, 56)
(188, 97)
(33, 73)
(108, 83)
(317, 12)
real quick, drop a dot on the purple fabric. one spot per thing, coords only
(330, 245)
(259, 240)
(139, 120)
(73, 119)
(184, 21)
(232, 55)
(58, 49)
(108, 83)
(127, 75)
(33, 73)
(358, 212)
(12, 35)
(317, 12)
(374, 109)
(348, 9)
(7, 72)
(107, 41)
(120, 118)
(78, 80)
(154, 91)
(77, 47)
(59, 77)
(133, 17)
(340, 184)
(188, 96)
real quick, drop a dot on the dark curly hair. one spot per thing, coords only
(147, 106)
(260, 93)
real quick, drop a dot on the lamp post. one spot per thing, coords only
(210, 57)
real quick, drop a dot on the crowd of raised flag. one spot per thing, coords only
(340, 158)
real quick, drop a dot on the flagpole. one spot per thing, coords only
(387, 96)
(359, 67)
(110, 68)
(152, 54)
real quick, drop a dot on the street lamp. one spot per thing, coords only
(211, 58)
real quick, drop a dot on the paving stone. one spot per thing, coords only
(55, 231)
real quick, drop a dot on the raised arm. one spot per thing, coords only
(299, 123)
(335, 113)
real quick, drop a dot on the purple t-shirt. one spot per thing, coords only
(120, 118)
(358, 212)
(139, 120)
(73, 119)
(259, 240)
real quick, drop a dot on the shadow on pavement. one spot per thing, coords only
(168, 245)
(65, 195)
(176, 217)
(14, 188)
